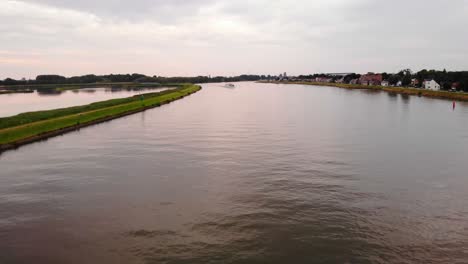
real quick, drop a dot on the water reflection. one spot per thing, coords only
(392, 95)
(48, 92)
(405, 98)
(368, 91)
(87, 91)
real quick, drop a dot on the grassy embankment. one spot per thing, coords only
(29, 127)
(399, 90)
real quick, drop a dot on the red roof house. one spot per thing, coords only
(371, 79)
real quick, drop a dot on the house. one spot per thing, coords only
(341, 80)
(283, 77)
(385, 83)
(414, 82)
(323, 79)
(371, 79)
(431, 85)
(354, 81)
(399, 84)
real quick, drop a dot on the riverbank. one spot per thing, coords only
(15, 91)
(399, 90)
(30, 127)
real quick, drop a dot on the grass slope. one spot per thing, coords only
(30, 117)
(27, 125)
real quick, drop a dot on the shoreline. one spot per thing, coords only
(399, 90)
(113, 113)
(15, 91)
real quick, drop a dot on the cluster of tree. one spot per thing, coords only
(206, 79)
(444, 78)
(10, 81)
(404, 76)
(120, 78)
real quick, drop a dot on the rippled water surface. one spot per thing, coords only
(261, 173)
(13, 104)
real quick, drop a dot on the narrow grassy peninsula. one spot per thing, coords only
(29, 127)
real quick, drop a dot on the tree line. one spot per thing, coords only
(125, 78)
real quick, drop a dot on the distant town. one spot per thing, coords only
(425, 79)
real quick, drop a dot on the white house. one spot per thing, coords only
(431, 85)
(323, 79)
(385, 83)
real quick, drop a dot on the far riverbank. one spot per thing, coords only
(399, 90)
(15, 91)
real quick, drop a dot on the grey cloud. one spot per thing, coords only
(161, 10)
(299, 36)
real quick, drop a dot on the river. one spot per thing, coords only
(262, 173)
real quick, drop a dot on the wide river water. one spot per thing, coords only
(262, 173)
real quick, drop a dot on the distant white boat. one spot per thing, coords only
(229, 85)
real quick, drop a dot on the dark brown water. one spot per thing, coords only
(258, 174)
(13, 104)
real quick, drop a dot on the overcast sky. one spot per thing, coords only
(226, 37)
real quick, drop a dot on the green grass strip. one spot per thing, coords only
(31, 117)
(64, 118)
